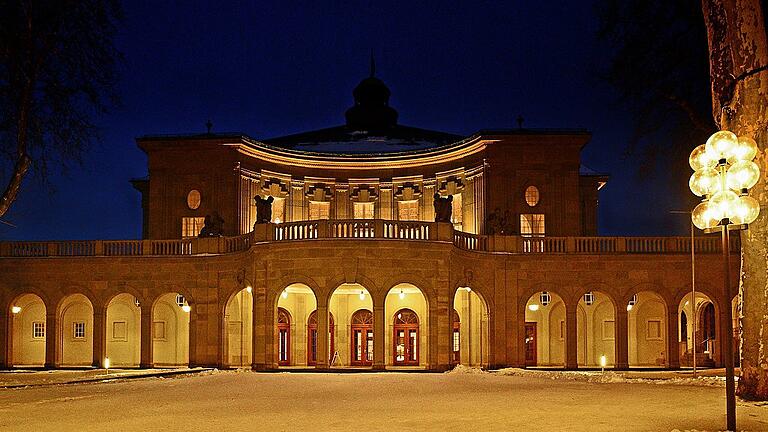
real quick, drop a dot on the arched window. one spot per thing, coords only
(362, 338)
(532, 196)
(312, 337)
(406, 338)
(284, 337)
(456, 341)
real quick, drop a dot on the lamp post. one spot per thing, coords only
(724, 171)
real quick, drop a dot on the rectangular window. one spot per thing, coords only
(278, 210)
(562, 329)
(191, 226)
(456, 341)
(408, 210)
(363, 210)
(608, 330)
(456, 212)
(654, 329)
(119, 331)
(78, 330)
(532, 225)
(38, 330)
(158, 330)
(319, 210)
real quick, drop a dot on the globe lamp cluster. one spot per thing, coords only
(724, 171)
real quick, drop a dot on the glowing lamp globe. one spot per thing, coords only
(746, 150)
(702, 216)
(704, 182)
(722, 204)
(745, 210)
(742, 175)
(186, 308)
(722, 144)
(533, 307)
(700, 158)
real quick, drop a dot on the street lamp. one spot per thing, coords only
(724, 171)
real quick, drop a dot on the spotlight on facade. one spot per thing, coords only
(186, 308)
(362, 295)
(468, 289)
(402, 294)
(249, 289)
(106, 363)
(284, 294)
(603, 362)
(277, 221)
(15, 309)
(533, 307)
(629, 307)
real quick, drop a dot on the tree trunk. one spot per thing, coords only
(739, 74)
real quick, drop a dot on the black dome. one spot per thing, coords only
(371, 110)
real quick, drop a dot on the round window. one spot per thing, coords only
(532, 196)
(193, 199)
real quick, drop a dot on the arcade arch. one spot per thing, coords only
(170, 330)
(596, 329)
(469, 340)
(28, 314)
(123, 333)
(297, 302)
(545, 330)
(75, 344)
(238, 328)
(647, 330)
(406, 339)
(351, 339)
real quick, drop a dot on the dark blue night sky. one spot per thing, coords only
(273, 68)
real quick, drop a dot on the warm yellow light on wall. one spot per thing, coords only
(603, 361)
(249, 289)
(106, 363)
(402, 294)
(362, 295)
(186, 308)
(629, 307)
(533, 307)
(284, 294)
(16, 309)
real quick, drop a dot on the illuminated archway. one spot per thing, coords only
(647, 330)
(298, 301)
(351, 348)
(706, 336)
(123, 331)
(545, 330)
(238, 329)
(76, 331)
(469, 341)
(596, 329)
(170, 330)
(29, 332)
(408, 297)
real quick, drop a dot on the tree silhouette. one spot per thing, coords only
(57, 72)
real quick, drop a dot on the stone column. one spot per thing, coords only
(52, 336)
(99, 336)
(673, 346)
(194, 361)
(622, 339)
(379, 337)
(146, 361)
(571, 337)
(322, 337)
(260, 331)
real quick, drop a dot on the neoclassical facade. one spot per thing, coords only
(352, 271)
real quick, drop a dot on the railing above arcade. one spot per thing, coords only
(373, 229)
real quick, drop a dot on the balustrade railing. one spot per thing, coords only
(367, 229)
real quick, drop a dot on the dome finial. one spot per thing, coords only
(373, 65)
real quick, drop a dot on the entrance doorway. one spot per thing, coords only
(406, 337)
(284, 337)
(530, 344)
(362, 338)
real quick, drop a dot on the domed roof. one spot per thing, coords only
(371, 110)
